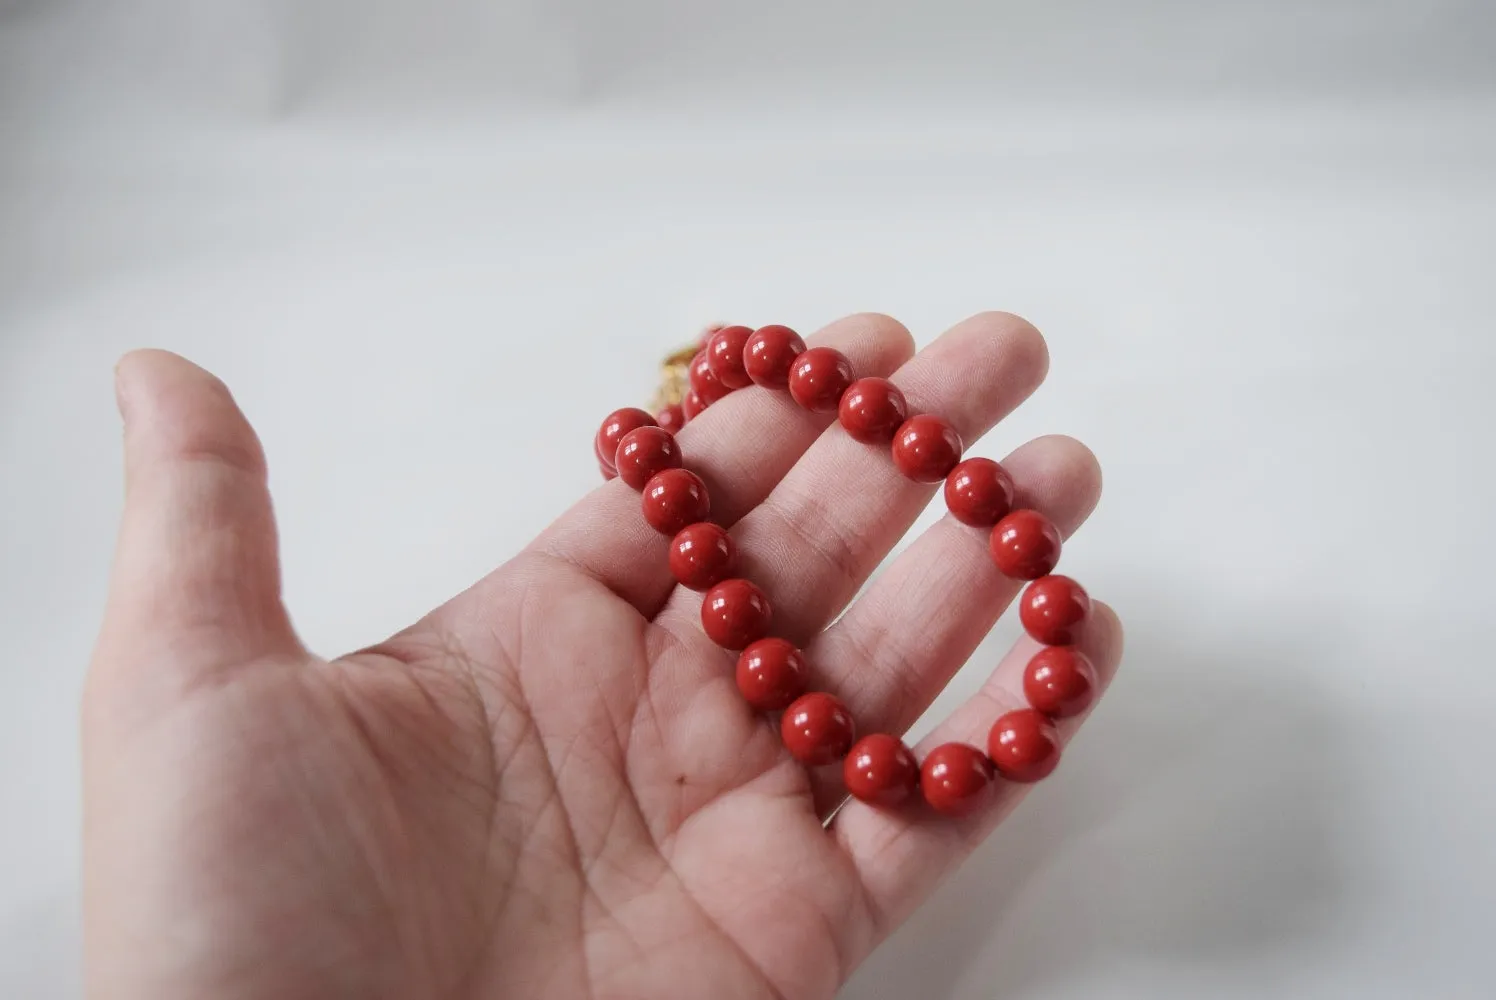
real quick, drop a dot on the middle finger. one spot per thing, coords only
(828, 524)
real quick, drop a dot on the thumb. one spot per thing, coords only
(196, 580)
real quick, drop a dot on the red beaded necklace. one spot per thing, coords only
(772, 675)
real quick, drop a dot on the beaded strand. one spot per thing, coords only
(816, 727)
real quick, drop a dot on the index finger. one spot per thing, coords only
(741, 446)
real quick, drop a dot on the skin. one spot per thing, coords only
(548, 787)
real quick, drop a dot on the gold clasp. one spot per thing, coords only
(675, 377)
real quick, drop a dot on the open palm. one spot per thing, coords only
(549, 786)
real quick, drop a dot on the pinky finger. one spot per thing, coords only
(903, 855)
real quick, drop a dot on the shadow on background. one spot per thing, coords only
(1191, 825)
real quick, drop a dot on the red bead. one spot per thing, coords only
(881, 770)
(735, 614)
(769, 353)
(979, 492)
(1060, 682)
(615, 426)
(724, 354)
(607, 472)
(673, 499)
(817, 729)
(771, 674)
(1053, 608)
(819, 377)
(956, 779)
(872, 409)
(926, 448)
(704, 381)
(1024, 745)
(1025, 545)
(672, 418)
(702, 555)
(691, 406)
(644, 452)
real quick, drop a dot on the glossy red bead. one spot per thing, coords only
(819, 377)
(926, 448)
(607, 472)
(645, 452)
(817, 729)
(769, 353)
(735, 614)
(724, 354)
(771, 674)
(956, 779)
(1024, 745)
(704, 381)
(1025, 545)
(872, 409)
(691, 406)
(673, 499)
(881, 770)
(672, 418)
(1053, 609)
(1060, 682)
(979, 492)
(614, 427)
(702, 555)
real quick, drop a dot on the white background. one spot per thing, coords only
(429, 244)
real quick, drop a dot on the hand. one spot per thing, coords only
(548, 787)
